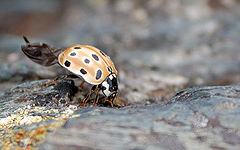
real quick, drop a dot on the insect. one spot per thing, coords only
(86, 62)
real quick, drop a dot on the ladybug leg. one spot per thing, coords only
(124, 102)
(86, 99)
(52, 81)
(109, 100)
(106, 99)
(96, 99)
(116, 100)
(81, 85)
(58, 78)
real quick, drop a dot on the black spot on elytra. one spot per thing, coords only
(95, 57)
(87, 61)
(77, 47)
(73, 54)
(67, 63)
(99, 74)
(83, 71)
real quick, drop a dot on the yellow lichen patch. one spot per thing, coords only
(75, 116)
(32, 127)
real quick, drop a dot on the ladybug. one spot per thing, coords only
(86, 62)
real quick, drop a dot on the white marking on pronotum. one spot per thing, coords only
(111, 77)
(106, 91)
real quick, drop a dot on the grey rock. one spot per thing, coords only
(38, 94)
(196, 118)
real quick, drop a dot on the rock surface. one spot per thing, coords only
(196, 118)
(32, 110)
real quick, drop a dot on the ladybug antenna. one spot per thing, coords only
(26, 40)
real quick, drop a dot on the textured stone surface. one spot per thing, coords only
(39, 94)
(30, 111)
(196, 118)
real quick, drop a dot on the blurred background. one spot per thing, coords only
(154, 43)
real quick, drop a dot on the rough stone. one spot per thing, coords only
(196, 118)
(30, 111)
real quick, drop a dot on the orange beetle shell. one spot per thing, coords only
(85, 61)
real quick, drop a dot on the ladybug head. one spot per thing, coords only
(109, 86)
